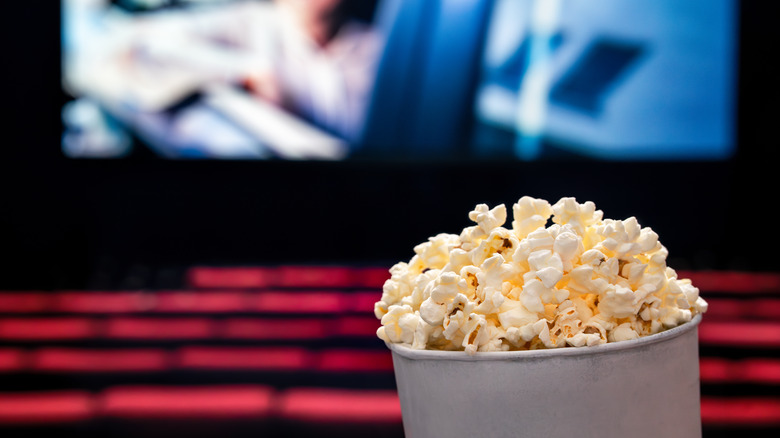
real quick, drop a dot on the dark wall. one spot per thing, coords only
(61, 220)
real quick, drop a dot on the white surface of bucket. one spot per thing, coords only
(648, 387)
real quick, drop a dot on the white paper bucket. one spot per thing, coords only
(648, 387)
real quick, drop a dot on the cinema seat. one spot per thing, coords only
(186, 402)
(323, 405)
(101, 302)
(363, 302)
(205, 358)
(24, 302)
(748, 309)
(750, 412)
(201, 302)
(757, 371)
(335, 277)
(371, 277)
(289, 329)
(205, 277)
(734, 282)
(357, 327)
(726, 308)
(11, 360)
(740, 334)
(191, 411)
(764, 308)
(147, 329)
(298, 302)
(355, 361)
(46, 329)
(761, 371)
(715, 371)
(69, 360)
(340, 412)
(287, 276)
(36, 408)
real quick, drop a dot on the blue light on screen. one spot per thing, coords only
(439, 79)
(645, 79)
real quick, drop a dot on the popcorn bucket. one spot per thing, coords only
(647, 387)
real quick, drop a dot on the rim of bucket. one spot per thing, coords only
(671, 333)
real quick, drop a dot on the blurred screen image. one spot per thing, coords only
(401, 79)
(648, 79)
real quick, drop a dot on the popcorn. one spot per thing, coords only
(548, 266)
(530, 214)
(568, 246)
(442, 297)
(500, 241)
(579, 216)
(435, 252)
(623, 332)
(618, 302)
(580, 281)
(399, 325)
(625, 238)
(488, 219)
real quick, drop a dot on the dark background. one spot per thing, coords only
(87, 223)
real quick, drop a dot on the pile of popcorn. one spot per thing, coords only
(581, 281)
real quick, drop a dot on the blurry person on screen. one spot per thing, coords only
(323, 65)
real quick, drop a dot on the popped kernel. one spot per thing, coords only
(581, 281)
